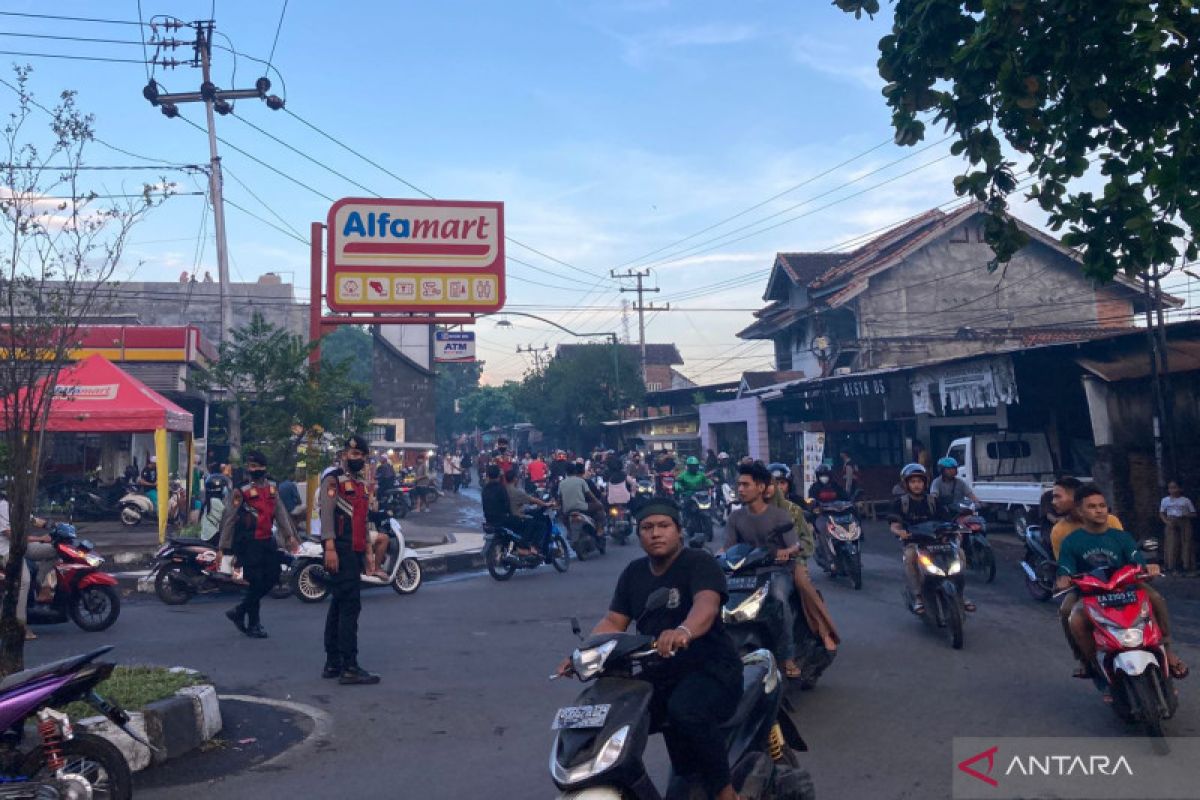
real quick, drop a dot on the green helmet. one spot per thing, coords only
(692, 461)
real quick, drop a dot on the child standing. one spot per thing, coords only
(1176, 512)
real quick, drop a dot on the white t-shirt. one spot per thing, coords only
(5, 525)
(1176, 507)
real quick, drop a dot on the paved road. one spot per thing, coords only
(464, 708)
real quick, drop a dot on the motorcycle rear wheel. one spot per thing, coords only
(983, 561)
(130, 516)
(95, 608)
(855, 571)
(307, 583)
(495, 562)
(601, 543)
(93, 759)
(560, 556)
(172, 586)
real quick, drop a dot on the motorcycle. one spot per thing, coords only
(583, 535)
(95, 501)
(500, 546)
(751, 614)
(136, 506)
(1131, 661)
(396, 501)
(976, 547)
(184, 568)
(723, 500)
(1038, 563)
(940, 563)
(839, 549)
(697, 518)
(617, 524)
(63, 763)
(84, 595)
(600, 741)
(310, 582)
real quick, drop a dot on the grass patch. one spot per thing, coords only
(132, 688)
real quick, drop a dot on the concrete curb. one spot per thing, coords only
(173, 726)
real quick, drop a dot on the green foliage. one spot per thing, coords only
(1067, 84)
(571, 397)
(490, 406)
(133, 688)
(350, 345)
(454, 382)
(265, 370)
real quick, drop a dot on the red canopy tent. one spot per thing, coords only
(96, 396)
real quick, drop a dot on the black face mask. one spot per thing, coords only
(355, 464)
(256, 474)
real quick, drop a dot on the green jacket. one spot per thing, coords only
(804, 531)
(689, 482)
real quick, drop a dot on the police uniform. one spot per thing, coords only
(246, 532)
(344, 503)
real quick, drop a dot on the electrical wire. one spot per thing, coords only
(71, 57)
(70, 19)
(278, 28)
(76, 39)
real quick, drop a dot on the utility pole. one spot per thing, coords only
(216, 101)
(642, 308)
(536, 352)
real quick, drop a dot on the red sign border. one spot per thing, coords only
(497, 267)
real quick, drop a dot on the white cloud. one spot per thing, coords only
(837, 61)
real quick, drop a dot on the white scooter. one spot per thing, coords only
(135, 506)
(310, 581)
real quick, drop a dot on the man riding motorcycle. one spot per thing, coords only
(692, 479)
(951, 490)
(914, 507)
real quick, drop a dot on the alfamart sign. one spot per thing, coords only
(415, 256)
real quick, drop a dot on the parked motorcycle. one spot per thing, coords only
(63, 763)
(1130, 658)
(617, 525)
(583, 535)
(310, 582)
(96, 501)
(839, 548)
(84, 595)
(135, 506)
(501, 545)
(184, 568)
(697, 518)
(940, 563)
(600, 741)
(975, 545)
(1038, 563)
(396, 501)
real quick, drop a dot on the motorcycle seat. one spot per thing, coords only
(752, 692)
(497, 530)
(59, 667)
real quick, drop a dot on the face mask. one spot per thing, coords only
(824, 479)
(355, 464)
(256, 474)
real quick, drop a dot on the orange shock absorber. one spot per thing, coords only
(51, 743)
(776, 742)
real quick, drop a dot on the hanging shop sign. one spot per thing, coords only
(415, 256)
(451, 347)
(980, 385)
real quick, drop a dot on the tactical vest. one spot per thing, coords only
(352, 503)
(258, 507)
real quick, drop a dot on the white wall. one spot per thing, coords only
(749, 410)
(412, 340)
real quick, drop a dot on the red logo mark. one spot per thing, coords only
(990, 755)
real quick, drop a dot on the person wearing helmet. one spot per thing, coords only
(692, 479)
(825, 489)
(914, 507)
(216, 491)
(951, 490)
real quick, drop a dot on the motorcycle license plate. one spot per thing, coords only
(939, 548)
(742, 583)
(1116, 599)
(573, 717)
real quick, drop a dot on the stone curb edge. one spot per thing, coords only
(173, 726)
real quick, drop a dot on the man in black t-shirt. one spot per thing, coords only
(699, 683)
(916, 506)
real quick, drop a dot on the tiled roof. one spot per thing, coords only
(883, 245)
(770, 324)
(804, 268)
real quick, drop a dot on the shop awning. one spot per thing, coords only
(1183, 355)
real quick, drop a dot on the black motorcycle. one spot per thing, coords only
(839, 545)
(184, 568)
(940, 563)
(697, 517)
(396, 501)
(501, 545)
(975, 545)
(586, 540)
(95, 501)
(617, 524)
(601, 740)
(1038, 563)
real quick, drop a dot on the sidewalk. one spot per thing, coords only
(447, 538)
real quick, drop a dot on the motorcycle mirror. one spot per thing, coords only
(657, 599)
(576, 628)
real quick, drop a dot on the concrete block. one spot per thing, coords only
(171, 727)
(207, 708)
(137, 755)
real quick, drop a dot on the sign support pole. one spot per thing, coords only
(315, 278)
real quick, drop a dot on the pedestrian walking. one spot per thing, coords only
(246, 532)
(1176, 513)
(345, 505)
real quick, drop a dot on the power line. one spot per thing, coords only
(71, 58)
(70, 19)
(278, 28)
(77, 39)
(264, 204)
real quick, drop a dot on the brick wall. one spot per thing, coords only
(401, 391)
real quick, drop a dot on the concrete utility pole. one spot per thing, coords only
(215, 100)
(536, 352)
(642, 308)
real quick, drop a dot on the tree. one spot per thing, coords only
(490, 407)
(1066, 84)
(575, 393)
(264, 369)
(454, 382)
(352, 345)
(63, 242)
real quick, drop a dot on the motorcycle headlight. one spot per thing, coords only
(93, 561)
(748, 609)
(853, 531)
(928, 565)
(1130, 637)
(955, 567)
(588, 663)
(605, 758)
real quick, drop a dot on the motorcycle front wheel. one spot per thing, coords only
(172, 586)
(955, 620)
(309, 582)
(90, 759)
(495, 562)
(408, 577)
(96, 608)
(560, 556)
(130, 516)
(1144, 693)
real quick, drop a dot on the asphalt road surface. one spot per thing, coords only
(464, 709)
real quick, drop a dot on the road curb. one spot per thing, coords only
(173, 726)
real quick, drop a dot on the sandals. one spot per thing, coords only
(791, 670)
(918, 608)
(1179, 670)
(969, 605)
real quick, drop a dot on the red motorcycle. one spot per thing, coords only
(84, 595)
(1129, 647)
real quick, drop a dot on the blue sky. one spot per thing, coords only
(610, 128)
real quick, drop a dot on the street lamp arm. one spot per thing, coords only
(612, 337)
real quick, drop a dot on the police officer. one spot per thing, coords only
(246, 532)
(345, 504)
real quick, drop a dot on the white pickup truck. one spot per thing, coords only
(1008, 471)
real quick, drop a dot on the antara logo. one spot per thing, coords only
(990, 755)
(1060, 766)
